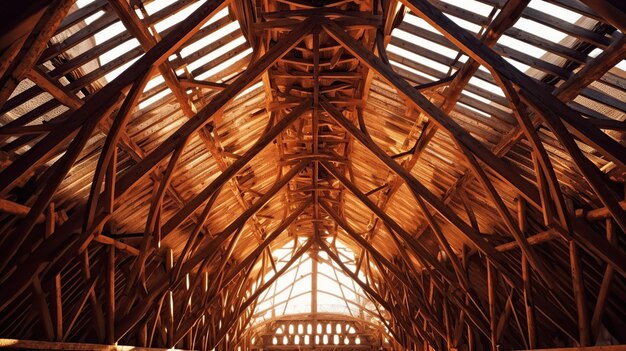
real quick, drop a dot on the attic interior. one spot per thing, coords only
(313, 175)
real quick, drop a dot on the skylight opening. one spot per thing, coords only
(216, 53)
(540, 30)
(118, 51)
(484, 69)
(153, 7)
(418, 58)
(476, 97)
(218, 16)
(492, 88)
(521, 46)
(546, 7)
(83, 3)
(463, 58)
(472, 27)
(292, 292)
(177, 17)
(221, 67)
(414, 39)
(116, 72)
(157, 5)
(89, 20)
(520, 66)
(419, 22)
(474, 110)
(109, 32)
(250, 89)
(595, 52)
(211, 38)
(154, 82)
(414, 71)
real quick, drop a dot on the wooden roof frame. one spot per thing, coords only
(422, 284)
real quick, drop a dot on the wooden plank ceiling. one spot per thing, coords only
(471, 154)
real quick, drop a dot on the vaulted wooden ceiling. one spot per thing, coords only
(470, 153)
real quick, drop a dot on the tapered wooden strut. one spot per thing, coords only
(415, 186)
(139, 170)
(416, 247)
(202, 257)
(507, 172)
(511, 11)
(246, 303)
(253, 256)
(108, 94)
(365, 286)
(379, 258)
(554, 111)
(459, 134)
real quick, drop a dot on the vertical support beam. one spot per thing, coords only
(491, 292)
(109, 185)
(169, 263)
(314, 268)
(579, 295)
(93, 301)
(503, 321)
(529, 303)
(57, 304)
(40, 301)
(446, 321)
(57, 293)
(110, 295)
(546, 206)
(142, 336)
(596, 320)
(527, 279)
(315, 150)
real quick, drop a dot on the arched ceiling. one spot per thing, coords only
(156, 154)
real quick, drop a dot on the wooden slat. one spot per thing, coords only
(504, 170)
(611, 11)
(110, 93)
(415, 185)
(33, 46)
(554, 111)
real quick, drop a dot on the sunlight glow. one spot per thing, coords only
(292, 292)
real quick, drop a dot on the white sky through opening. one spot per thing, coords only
(474, 6)
(291, 293)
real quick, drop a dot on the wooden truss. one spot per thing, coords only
(505, 253)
